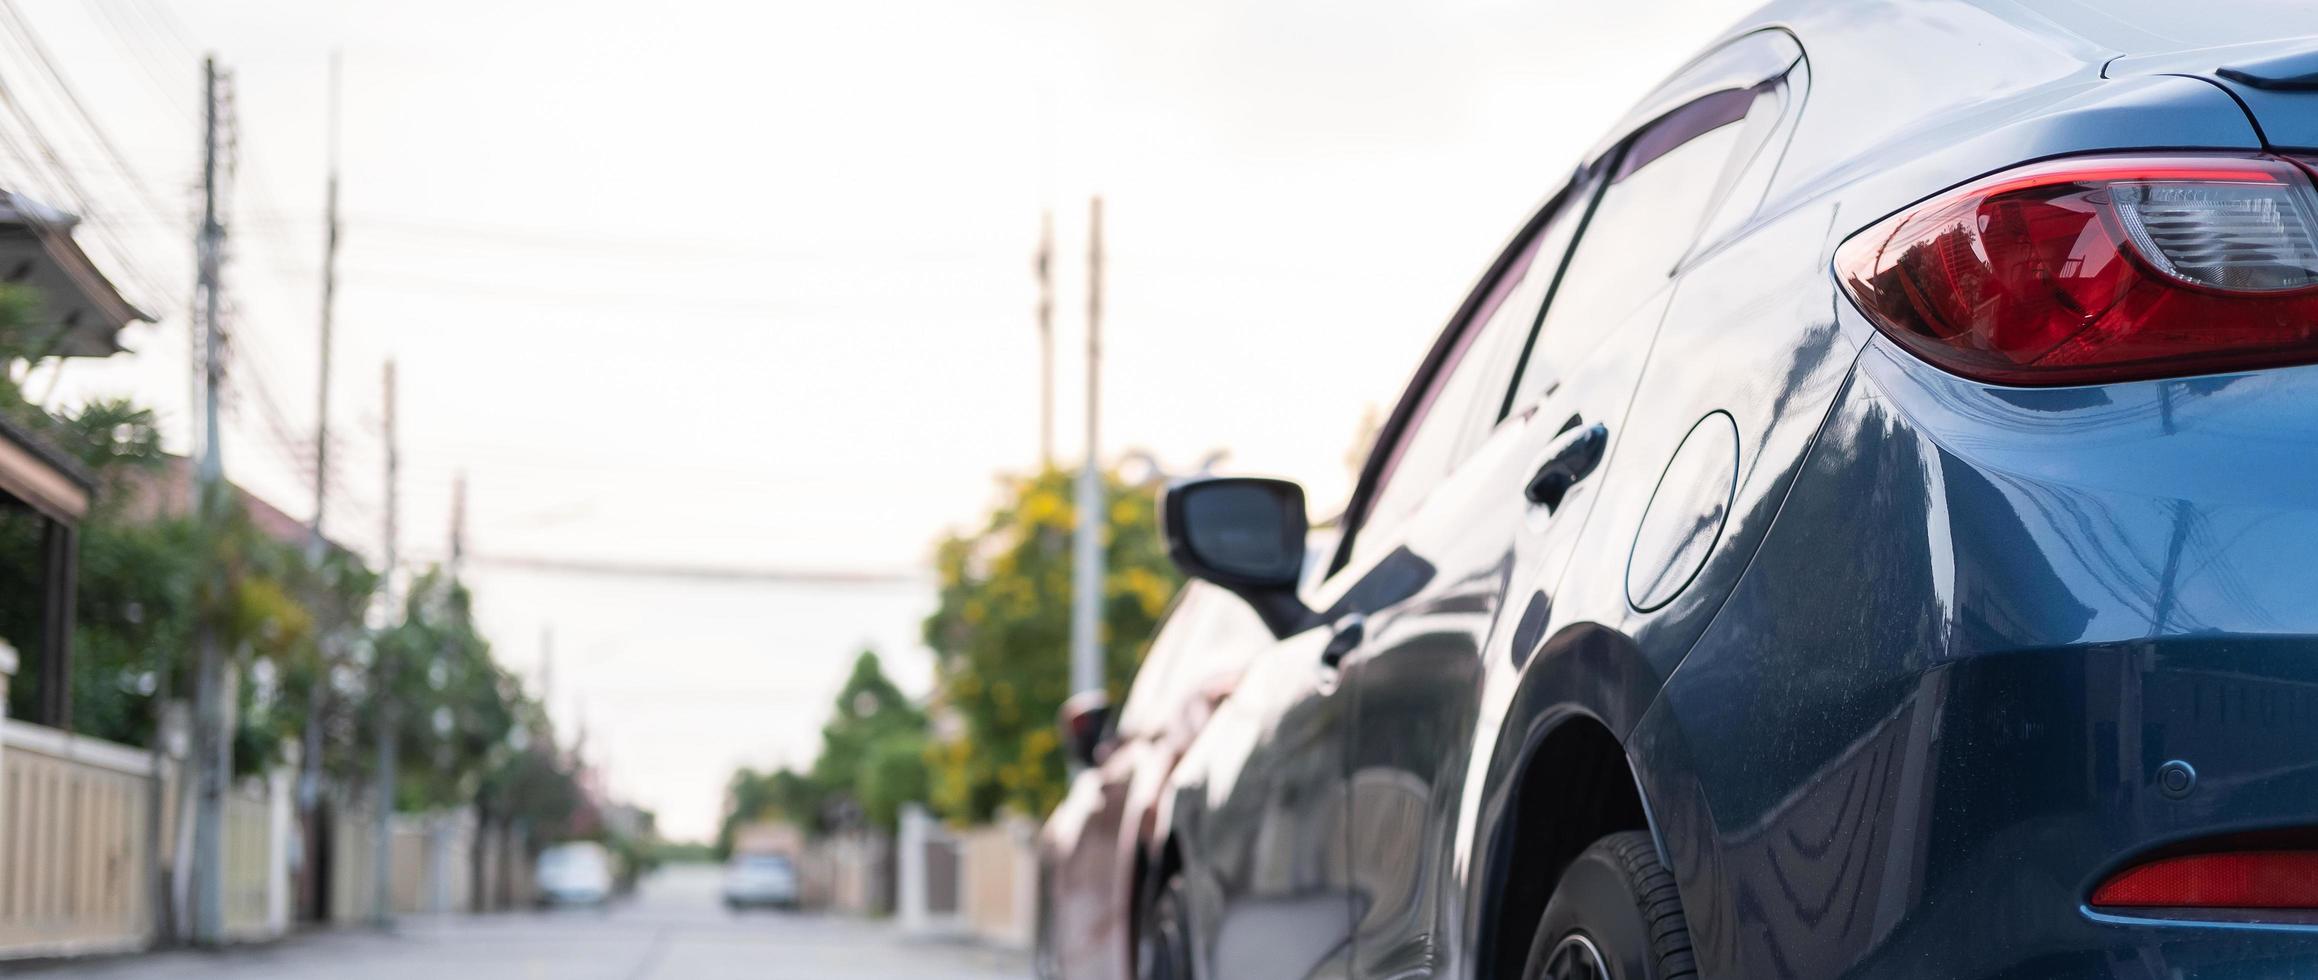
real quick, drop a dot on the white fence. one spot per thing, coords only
(89, 833)
(74, 843)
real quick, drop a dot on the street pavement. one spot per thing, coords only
(675, 928)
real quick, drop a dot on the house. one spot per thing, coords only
(79, 313)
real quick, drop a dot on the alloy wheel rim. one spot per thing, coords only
(1576, 958)
(1161, 951)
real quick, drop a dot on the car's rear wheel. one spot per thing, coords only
(1613, 916)
(1163, 943)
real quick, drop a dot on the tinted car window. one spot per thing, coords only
(1469, 384)
(1668, 177)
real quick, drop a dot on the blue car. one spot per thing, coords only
(1864, 524)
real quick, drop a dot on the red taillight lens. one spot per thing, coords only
(2094, 270)
(2234, 880)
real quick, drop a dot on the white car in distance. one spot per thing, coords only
(760, 880)
(578, 873)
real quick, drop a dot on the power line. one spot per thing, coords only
(771, 575)
(138, 30)
(31, 39)
(122, 30)
(62, 178)
(247, 339)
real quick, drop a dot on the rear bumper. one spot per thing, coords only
(760, 898)
(1932, 714)
(574, 896)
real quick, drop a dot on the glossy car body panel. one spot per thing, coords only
(1681, 523)
(1091, 847)
(2041, 632)
(1908, 710)
(1258, 815)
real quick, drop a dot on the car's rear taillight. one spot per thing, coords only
(2229, 880)
(2091, 270)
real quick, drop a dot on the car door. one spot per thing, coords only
(1500, 525)
(1258, 812)
(1272, 845)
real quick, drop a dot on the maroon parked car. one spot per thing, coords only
(1088, 851)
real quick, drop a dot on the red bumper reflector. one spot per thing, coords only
(2235, 880)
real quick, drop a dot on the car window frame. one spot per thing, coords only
(1416, 398)
(1180, 609)
(1769, 59)
(1672, 130)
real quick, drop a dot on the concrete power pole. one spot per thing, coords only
(310, 759)
(458, 524)
(1045, 267)
(1086, 654)
(213, 749)
(382, 827)
(314, 542)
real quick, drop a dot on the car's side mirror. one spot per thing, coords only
(1085, 720)
(1246, 534)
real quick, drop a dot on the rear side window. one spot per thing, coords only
(1463, 400)
(1429, 448)
(1668, 178)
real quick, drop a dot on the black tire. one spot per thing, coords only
(1163, 939)
(1613, 916)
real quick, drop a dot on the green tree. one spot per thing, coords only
(869, 708)
(872, 763)
(873, 748)
(1001, 636)
(457, 712)
(147, 578)
(784, 794)
(291, 626)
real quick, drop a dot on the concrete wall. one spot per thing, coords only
(999, 882)
(978, 881)
(433, 869)
(848, 873)
(353, 863)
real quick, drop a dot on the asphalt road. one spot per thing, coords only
(674, 929)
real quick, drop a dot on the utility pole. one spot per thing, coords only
(314, 542)
(1086, 655)
(213, 750)
(547, 678)
(1046, 341)
(458, 524)
(441, 898)
(310, 759)
(382, 826)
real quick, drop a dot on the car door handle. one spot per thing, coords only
(1572, 455)
(1350, 631)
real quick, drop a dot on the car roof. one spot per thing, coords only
(1963, 63)
(2101, 29)
(2138, 27)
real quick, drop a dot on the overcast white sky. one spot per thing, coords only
(748, 283)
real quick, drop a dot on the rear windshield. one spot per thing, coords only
(573, 857)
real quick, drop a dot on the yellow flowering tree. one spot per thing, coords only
(1001, 638)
